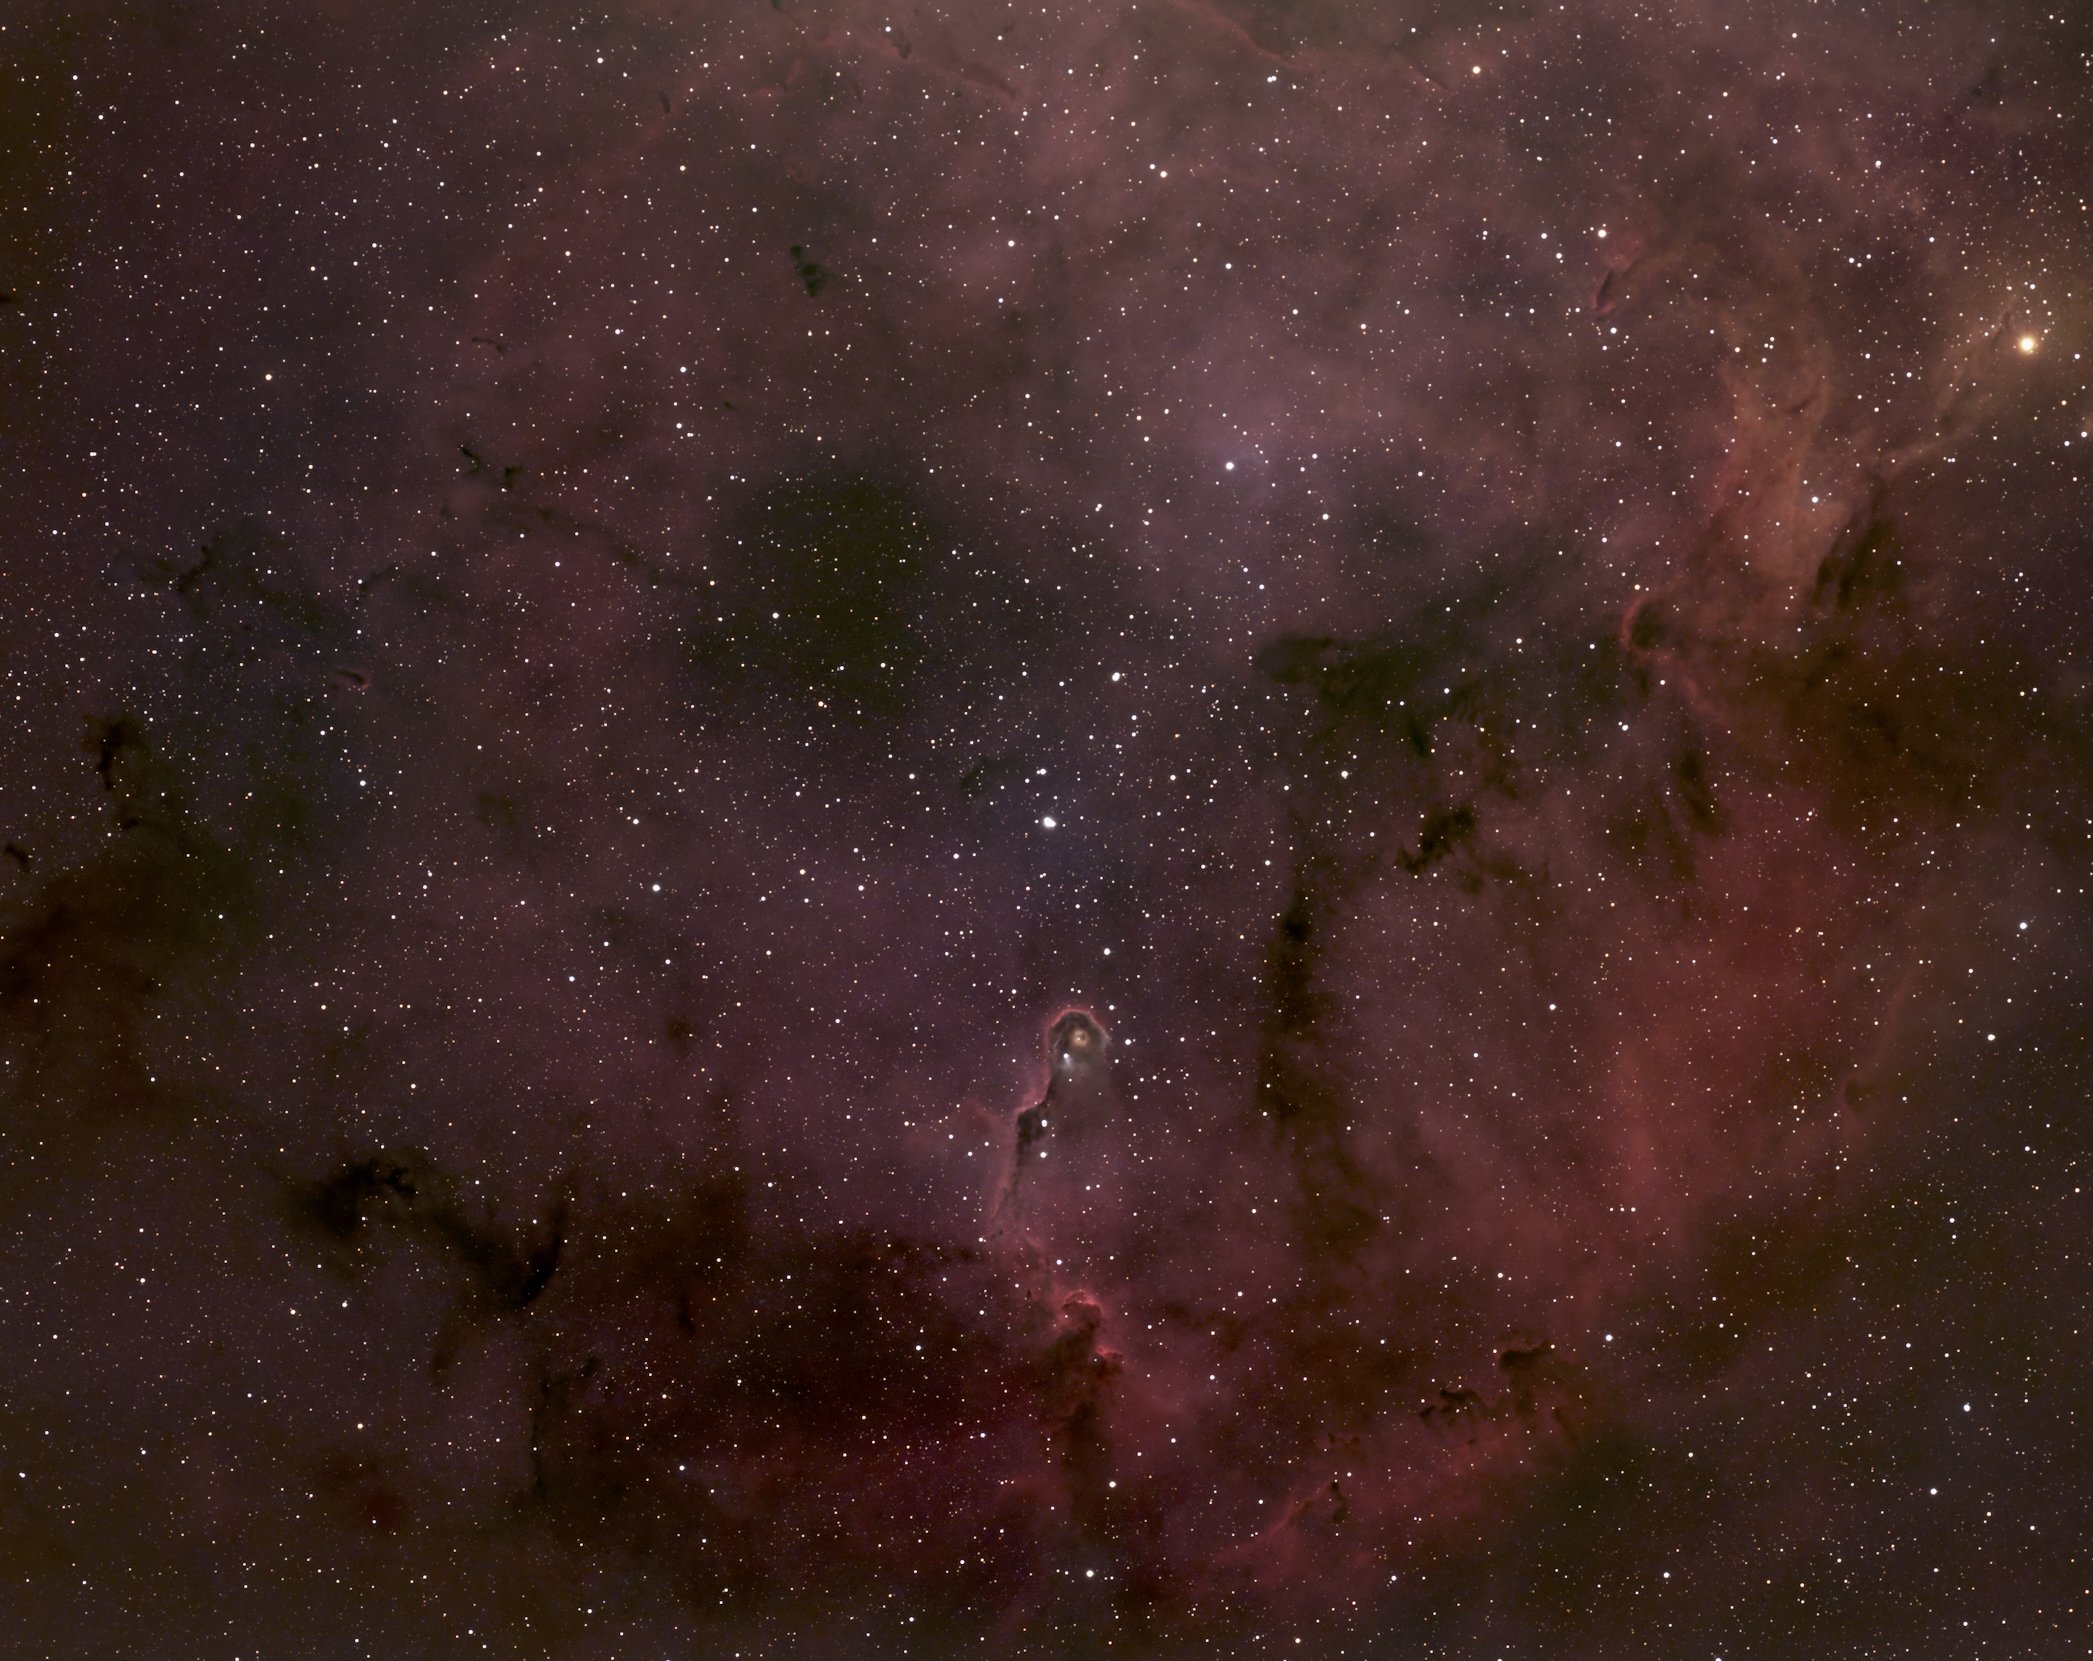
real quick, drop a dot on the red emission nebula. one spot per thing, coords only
(1157, 829)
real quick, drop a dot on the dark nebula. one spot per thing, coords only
(1189, 828)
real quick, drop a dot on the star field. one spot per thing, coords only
(1196, 828)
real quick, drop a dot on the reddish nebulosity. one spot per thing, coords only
(1127, 830)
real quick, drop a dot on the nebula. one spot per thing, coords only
(1206, 827)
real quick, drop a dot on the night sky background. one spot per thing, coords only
(1172, 827)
